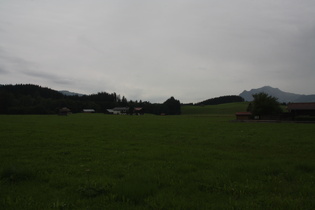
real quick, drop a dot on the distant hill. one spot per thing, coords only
(283, 97)
(220, 109)
(30, 90)
(68, 93)
(221, 100)
(306, 98)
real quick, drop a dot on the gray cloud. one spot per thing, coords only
(47, 76)
(3, 71)
(148, 50)
(17, 67)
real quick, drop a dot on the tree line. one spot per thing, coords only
(34, 99)
(264, 104)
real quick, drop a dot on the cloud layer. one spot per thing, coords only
(192, 50)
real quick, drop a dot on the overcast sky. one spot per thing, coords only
(151, 50)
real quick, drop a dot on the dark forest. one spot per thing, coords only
(34, 99)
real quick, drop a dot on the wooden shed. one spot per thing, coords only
(243, 115)
(138, 111)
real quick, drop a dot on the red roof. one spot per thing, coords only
(301, 106)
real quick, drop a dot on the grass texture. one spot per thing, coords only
(221, 109)
(97, 161)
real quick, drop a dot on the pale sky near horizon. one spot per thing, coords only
(151, 50)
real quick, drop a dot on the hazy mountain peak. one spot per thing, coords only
(276, 92)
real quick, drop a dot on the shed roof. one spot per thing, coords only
(301, 106)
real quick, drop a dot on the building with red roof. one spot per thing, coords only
(302, 109)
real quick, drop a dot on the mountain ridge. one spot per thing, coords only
(283, 97)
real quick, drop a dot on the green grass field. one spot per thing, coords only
(222, 109)
(97, 161)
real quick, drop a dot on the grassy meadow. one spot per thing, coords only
(222, 109)
(193, 161)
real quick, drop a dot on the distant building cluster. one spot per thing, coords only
(126, 110)
(116, 111)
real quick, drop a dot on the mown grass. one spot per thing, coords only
(96, 161)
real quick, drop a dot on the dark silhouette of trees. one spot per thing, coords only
(221, 100)
(264, 104)
(33, 99)
(172, 106)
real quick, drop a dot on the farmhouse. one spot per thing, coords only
(138, 111)
(306, 109)
(64, 111)
(118, 110)
(126, 110)
(243, 115)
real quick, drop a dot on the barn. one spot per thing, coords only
(138, 111)
(301, 109)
